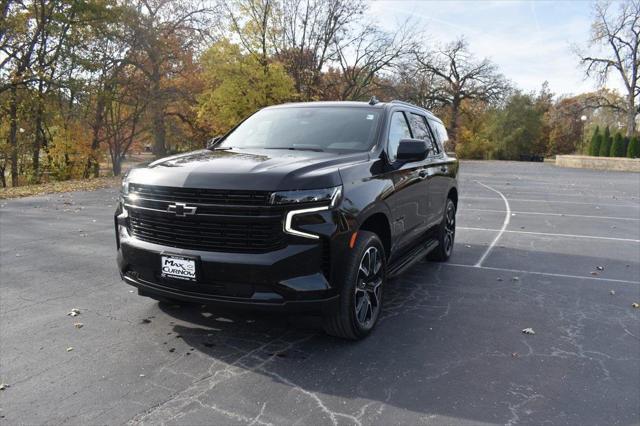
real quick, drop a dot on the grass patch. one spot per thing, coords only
(63, 186)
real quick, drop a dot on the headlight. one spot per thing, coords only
(327, 195)
(330, 197)
(124, 189)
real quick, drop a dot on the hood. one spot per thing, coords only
(247, 169)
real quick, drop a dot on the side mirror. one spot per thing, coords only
(213, 141)
(412, 150)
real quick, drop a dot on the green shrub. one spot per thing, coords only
(605, 146)
(625, 146)
(617, 147)
(633, 151)
(594, 146)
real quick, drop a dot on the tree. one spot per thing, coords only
(237, 86)
(565, 126)
(594, 146)
(459, 76)
(367, 55)
(597, 143)
(633, 151)
(163, 33)
(311, 33)
(516, 127)
(617, 146)
(619, 34)
(605, 146)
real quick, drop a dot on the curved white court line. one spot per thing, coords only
(505, 223)
(556, 214)
(549, 274)
(549, 234)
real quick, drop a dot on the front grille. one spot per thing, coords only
(201, 195)
(229, 221)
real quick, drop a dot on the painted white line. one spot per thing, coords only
(505, 223)
(550, 234)
(552, 214)
(554, 202)
(549, 274)
(610, 197)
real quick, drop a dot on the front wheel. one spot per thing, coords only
(446, 234)
(361, 290)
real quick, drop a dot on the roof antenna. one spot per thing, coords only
(373, 100)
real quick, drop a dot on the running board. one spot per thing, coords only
(412, 257)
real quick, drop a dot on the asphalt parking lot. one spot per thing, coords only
(449, 348)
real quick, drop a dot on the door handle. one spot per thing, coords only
(423, 173)
(443, 169)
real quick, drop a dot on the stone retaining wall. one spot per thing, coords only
(599, 163)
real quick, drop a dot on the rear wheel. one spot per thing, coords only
(446, 234)
(361, 290)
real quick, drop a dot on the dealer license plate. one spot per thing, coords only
(182, 268)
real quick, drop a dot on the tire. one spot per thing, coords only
(361, 290)
(446, 234)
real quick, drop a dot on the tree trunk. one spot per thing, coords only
(37, 143)
(157, 115)
(116, 164)
(631, 116)
(93, 167)
(157, 112)
(13, 134)
(3, 178)
(453, 127)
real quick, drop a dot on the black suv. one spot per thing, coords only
(308, 207)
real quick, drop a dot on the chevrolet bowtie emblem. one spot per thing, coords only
(181, 209)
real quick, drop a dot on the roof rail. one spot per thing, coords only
(396, 101)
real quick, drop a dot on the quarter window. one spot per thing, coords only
(421, 131)
(441, 134)
(398, 130)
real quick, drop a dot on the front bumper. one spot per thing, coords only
(297, 277)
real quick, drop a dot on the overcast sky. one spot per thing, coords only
(529, 40)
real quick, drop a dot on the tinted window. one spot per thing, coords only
(315, 128)
(398, 130)
(421, 131)
(441, 134)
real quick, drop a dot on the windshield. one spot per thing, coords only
(307, 128)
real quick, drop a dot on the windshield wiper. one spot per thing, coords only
(294, 148)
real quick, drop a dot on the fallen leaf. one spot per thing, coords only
(528, 331)
(78, 325)
(63, 186)
(515, 354)
(69, 349)
(612, 292)
(594, 273)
